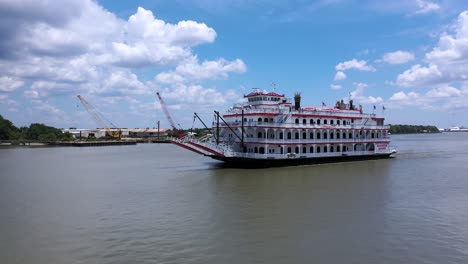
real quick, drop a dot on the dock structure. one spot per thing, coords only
(94, 143)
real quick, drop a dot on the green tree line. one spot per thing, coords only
(412, 129)
(35, 132)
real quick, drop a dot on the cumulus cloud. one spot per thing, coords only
(444, 92)
(398, 57)
(402, 96)
(9, 84)
(359, 96)
(360, 65)
(335, 86)
(441, 98)
(447, 61)
(426, 6)
(340, 76)
(50, 49)
(193, 70)
(150, 41)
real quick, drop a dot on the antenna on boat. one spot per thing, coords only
(273, 85)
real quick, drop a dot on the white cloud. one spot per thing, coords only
(208, 70)
(121, 83)
(150, 41)
(359, 96)
(425, 6)
(360, 65)
(419, 75)
(398, 57)
(191, 94)
(443, 92)
(9, 84)
(404, 97)
(340, 76)
(442, 98)
(81, 48)
(359, 85)
(447, 61)
(335, 86)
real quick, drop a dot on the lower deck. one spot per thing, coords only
(243, 162)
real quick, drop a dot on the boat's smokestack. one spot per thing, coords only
(297, 101)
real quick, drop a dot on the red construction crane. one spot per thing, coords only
(168, 115)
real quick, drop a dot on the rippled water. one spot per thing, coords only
(157, 203)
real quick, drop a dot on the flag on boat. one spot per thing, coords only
(383, 108)
(324, 104)
(374, 107)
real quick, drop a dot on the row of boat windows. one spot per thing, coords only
(312, 149)
(264, 98)
(311, 121)
(318, 135)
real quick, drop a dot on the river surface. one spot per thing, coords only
(158, 203)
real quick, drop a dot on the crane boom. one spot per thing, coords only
(95, 115)
(168, 116)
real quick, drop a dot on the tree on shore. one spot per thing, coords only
(412, 129)
(36, 132)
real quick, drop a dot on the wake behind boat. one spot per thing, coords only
(268, 130)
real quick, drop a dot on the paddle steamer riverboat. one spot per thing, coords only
(269, 130)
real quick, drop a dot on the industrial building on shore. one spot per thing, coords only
(134, 133)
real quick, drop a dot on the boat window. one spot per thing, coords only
(331, 122)
(271, 120)
(318, 135)
(325, 122)
(289, 149)
(297, 150)
(304, 150)
(265, 120)
(297, 120)
(331, 148)
(344, 135)
(338, 134)
(331, 135)
(311, 135)
(281, 135)
(325, 135)
(325, 149)
(304, 121)
(256, 150)
(245, 119)
(318, 149)
(311, 121)
(318, 121)
(311, 150)
(297, 135)
(289, 135)
(337, 122)
(350, 135)
(372, 135)
(262, 150)
(304, 135)
(337, 148)
(259, 119)
(259, 134)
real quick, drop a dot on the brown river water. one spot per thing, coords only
(157, 203)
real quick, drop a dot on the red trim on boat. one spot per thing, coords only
(207, 149)
(187, 147)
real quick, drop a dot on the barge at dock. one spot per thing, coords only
(269, 130)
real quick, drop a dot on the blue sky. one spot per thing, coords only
(203, 55)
